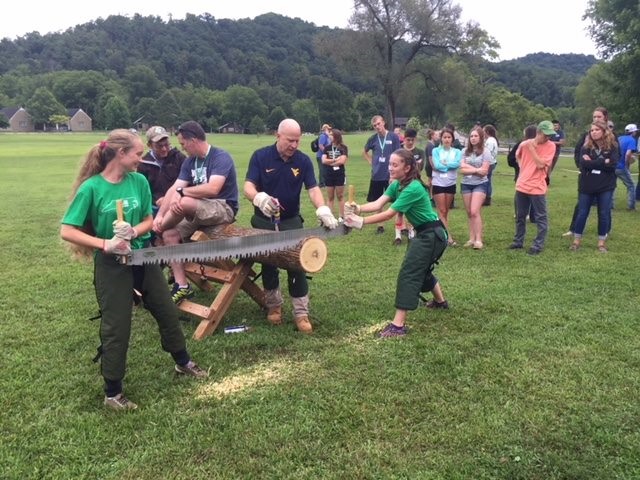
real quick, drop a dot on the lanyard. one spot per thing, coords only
(382, 143)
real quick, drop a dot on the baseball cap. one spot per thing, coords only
(546, 127)
(631, 128)
(157, 133)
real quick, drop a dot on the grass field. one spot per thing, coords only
(532, 374)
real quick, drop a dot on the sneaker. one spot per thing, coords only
(515, 246)
(534, 251)
(179, 293)
(191, 369)
(119, 402)
(478, 245)
(433, 304)
(397, 242)
(303, 324)
(379, 230)
(392, 331)
(468, 243)
(412, 234)
(567, 234)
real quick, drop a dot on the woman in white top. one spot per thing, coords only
(476, 161)
(491, 144)
(446, 161)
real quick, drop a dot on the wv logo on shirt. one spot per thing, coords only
(295, 171)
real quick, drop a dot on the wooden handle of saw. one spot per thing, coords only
(120, 215)
(351, 194)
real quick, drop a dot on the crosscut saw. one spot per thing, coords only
(234, 247)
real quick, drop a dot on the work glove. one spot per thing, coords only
(326, 217)
(269, 206)
(351, 208)
(354, 221)
(117, 246)
(124, 230)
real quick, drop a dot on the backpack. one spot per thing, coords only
(314, 144)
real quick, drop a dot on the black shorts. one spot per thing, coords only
(334, 178)
(451, 189)
(376, 189)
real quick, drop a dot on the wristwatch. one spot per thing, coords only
(180, 191)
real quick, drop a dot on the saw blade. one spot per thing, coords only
(233, 247)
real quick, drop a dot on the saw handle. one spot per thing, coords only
(122, 259)
(351, 194)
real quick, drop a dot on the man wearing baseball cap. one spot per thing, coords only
(535, 157)
(628, 144)
(161, 165)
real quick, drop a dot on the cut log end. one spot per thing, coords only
(313, 254)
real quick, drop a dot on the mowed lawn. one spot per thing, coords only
(532, 374)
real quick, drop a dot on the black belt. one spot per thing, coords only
(428, 225)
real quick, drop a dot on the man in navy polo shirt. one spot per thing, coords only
(273, 183)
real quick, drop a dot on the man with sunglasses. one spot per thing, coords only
(161, 164)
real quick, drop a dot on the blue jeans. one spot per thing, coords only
(604, 212)
(625, 175)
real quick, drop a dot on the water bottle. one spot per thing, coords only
(236, 329)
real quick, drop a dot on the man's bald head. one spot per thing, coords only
(288, 139)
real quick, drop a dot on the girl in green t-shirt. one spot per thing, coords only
(409, 196)
(90, 224)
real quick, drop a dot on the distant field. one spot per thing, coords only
(532, 373)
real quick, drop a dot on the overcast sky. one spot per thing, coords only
(552, 28)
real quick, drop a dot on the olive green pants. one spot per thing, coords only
(416, 272)
(114, 291)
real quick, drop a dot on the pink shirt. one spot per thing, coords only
(531, 179)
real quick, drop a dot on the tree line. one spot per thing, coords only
(256, 72)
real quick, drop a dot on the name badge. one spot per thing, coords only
(596, 172)
(443, 175)
(381, 159)
(336, 168)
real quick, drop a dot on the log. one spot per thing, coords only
(308, 255)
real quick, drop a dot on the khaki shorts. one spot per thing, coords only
(208, 212)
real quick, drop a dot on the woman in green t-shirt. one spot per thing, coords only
(107, 176)
(409, 196)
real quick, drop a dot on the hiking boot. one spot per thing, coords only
(433, 304)
(392, 330)
(179, 293)
(534, 251)
(191, 369)
(379, 230)
(397, 242)
(274, 315)
(119, 402)
(515, 246)
(303, 324)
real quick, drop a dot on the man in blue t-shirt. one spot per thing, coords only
(628, 144)
(274, 181)
(323, 142)
(377, 152)
(204, 195)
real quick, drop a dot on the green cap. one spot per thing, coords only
(546, 127)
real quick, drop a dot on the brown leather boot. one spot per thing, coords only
(303, 324)
(274, 315)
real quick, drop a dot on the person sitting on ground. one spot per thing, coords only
(204, 195)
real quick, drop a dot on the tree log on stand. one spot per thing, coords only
(308, 255)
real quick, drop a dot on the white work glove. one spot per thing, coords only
(117, 246)
(326, 217)
(268, 205)
(354, 221)
(351, 208)
(124, 230)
